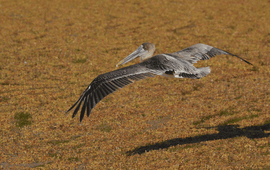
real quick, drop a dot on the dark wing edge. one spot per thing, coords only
(203, 52)
(102, 86)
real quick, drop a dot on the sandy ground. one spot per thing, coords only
(51, 50)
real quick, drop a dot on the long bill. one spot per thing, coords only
(139, 52)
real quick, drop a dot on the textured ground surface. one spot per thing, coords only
(51, 50)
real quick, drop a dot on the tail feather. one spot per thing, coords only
(203, 71)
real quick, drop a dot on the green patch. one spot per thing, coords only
(139, 133)
(185, 92)
(262, 63)
(76, 136)
(39, 166)
(173, 149)
(76, 159)
(117, 49)
(5, 83)
(23, 119)
(239, 97)
(266, 122)
(231, 27)
(198, 122)
(190, 146)
(203, 119)
(197, 86)
(114, 50)
(3, 99)
(79, 61)
(54, 155)
(37, 74)
(59, 66)
(160, 117)
(56, 142)
(78, 146)
(257, 110)
(260, 55)
(104, 127)
(210, 17)
(251, 116)
(230, 121)
(28, 146)
(226, 112)
(254, 68)
(230, 62)
(264, 146)
(266, 153)
(250, 30)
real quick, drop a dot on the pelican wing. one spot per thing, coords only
(106, 84)
(171, 65)
(202, 52)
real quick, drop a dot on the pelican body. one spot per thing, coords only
(175, 65)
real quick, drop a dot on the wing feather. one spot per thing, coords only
(93, 103)
(106, 84)
(77, 108)
(203, 52)
(83, 108)
(96, 98)
(106, 87)
(88, 106)
(103, 92)
(98, 94)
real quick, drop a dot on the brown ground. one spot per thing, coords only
(51, 50)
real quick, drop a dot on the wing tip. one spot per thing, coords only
(241, 59)
(227, 53)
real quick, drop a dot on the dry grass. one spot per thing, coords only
(51, 50)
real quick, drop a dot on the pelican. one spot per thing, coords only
(175, 65)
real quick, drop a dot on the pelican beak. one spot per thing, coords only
(139, 52)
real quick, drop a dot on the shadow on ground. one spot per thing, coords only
(225, 132)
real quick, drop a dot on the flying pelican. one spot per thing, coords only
(175, 65)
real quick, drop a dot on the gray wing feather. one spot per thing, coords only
(106, 84)
(164, 64)
(202, 52)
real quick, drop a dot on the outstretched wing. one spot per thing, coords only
(171, 65)
(106, 84)
(202, 52)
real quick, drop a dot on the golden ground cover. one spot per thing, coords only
(51, 50)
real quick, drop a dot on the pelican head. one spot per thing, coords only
(145, 51)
